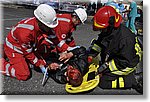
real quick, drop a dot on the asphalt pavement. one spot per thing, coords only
(83, 35)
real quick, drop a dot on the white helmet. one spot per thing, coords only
(47, 15)
(81, 13)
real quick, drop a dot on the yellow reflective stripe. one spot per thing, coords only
(96, 48)
(119, 73)
(137, 47)
(114, 84)
(123, 73)
(136, 39)
(115, 70)
(121, 82)
(128, 70)
(138, 50)
(97, 25)
(117, 19)
(112, 65)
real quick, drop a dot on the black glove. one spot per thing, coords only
(102, 67)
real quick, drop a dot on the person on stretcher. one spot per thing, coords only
(69, 67)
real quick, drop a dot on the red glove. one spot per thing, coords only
(40, 62)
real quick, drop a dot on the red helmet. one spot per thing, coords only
(74, 76)
(102, 17)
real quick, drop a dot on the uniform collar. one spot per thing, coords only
(36, 26)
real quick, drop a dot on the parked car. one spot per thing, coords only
(69, 8)
(55, 5)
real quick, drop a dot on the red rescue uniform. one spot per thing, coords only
(61, 38)
(64, 32)
(19, 47)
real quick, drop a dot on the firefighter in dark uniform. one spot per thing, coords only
(118, 49)
(73, 70)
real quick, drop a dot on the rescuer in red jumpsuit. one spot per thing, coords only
(62, 36)
(21, 43)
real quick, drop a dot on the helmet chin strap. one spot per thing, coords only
(111, 21)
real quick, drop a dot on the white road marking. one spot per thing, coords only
(8, 28)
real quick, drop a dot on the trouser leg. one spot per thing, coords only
(127, 23)
(132, 25)
(16, 66)
(16, 69)
(117, 82)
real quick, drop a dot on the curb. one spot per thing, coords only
(12, 6)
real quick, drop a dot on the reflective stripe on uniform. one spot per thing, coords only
(69, 39)
(115, 70)
(72, 48)
(64, 19)
(121, 82)
(52, 36)
(96, 48)
(49, 41)
(138, 49)
(45, 49)
(27, 26)
(7, 69)
(29, 50)
(61, 43)
(29, 19)
(13, 72)
(12, 33)
(35, 60)
(114, 84)
(17, 49)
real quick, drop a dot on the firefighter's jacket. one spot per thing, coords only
(119, 48)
